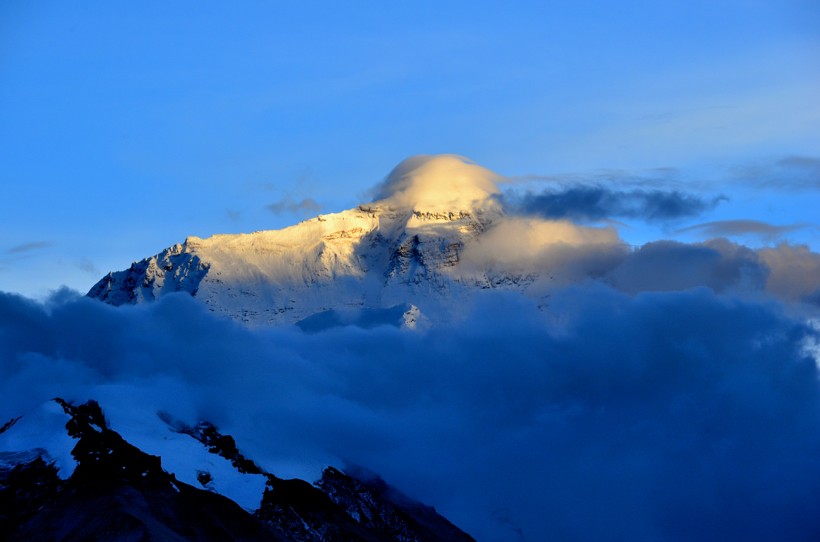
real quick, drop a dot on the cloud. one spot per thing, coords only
(551, 254)
(593, 203)
(604, 413)
(671, 266)
(795, 272)
(438, 182)
(568, 252)
(22, 251)
(29, 247)
(291, 206)
(791, 173)
(722, 228)
(87, 266)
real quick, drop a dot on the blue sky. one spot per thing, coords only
(124, 129)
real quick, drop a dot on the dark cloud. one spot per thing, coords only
(289, 205)
(671, 266)
(29, 247)
(661, 178)
(657, 416)
(724, 228)
(587, 203)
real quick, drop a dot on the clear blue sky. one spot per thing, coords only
(125, 128)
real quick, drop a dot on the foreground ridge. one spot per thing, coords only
(115, 491)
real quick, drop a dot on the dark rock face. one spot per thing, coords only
(144, 512)
(301, 512)
(340, 507)
(385, 511)
(24, 490)
(119, 493)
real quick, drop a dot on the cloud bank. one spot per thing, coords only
(658, 416)
(573, 254)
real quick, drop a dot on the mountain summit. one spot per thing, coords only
(433, 236)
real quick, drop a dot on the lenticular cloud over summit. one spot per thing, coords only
(445, 182)
(563, 386)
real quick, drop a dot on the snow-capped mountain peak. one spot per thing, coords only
(433, 237)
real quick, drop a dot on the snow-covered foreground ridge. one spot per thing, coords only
(435, 235)
(66, 474)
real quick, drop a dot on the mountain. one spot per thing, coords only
(65, 474)
(404, 250)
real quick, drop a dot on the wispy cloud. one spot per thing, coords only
(289, 205)
(791, 173)
(655, 178)
(29, 247)
(87, 266)
(732, 228)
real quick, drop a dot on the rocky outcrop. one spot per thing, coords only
(175, 269)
